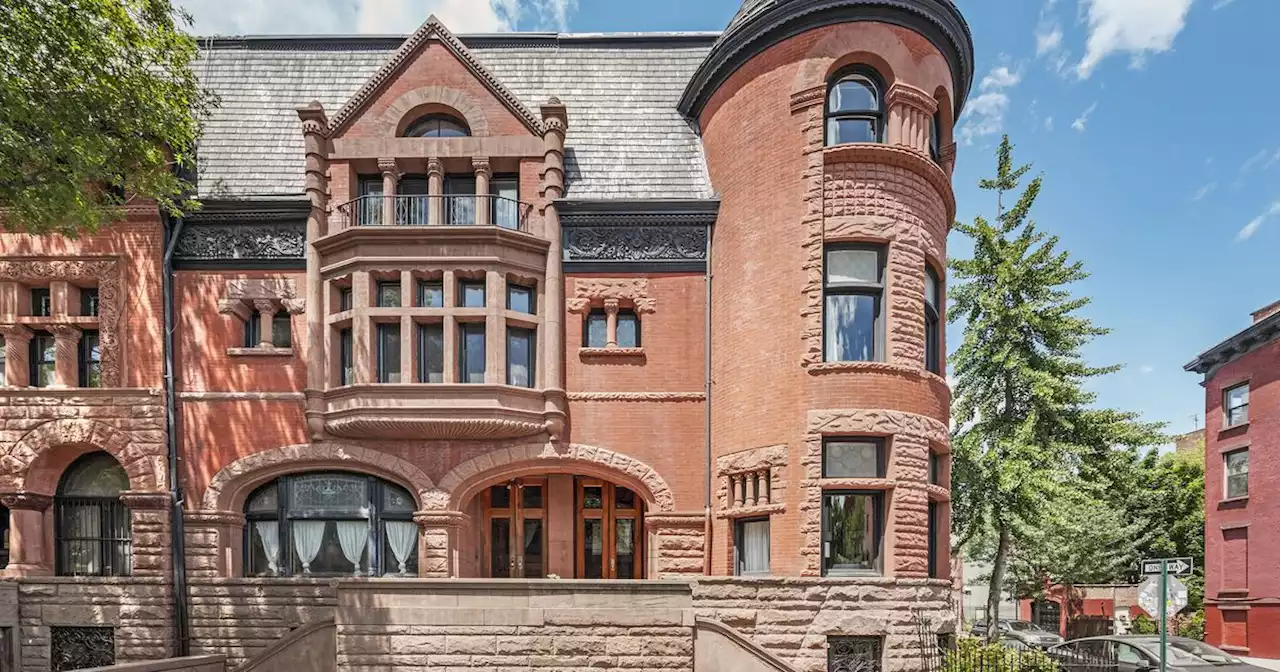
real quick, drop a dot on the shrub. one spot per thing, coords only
(975, 655)
(1145, 625)
(1190, 625)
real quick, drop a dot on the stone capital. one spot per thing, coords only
(265, 306)
(435, 166)
(389, 167)
(481, 165)
(611, 306)
(65, 332)
(145, 500)
(214, 518)
(15, 332)
(905, 94)
(26, 501)
(437, 519)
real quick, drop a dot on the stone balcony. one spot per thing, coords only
(437, 411)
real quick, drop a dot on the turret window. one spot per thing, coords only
(855, 108)
(932, 323)
(854, 306)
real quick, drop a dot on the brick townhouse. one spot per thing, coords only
(1241, 473)
(665, 308)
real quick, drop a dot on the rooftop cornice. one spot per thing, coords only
(764, 23)
(1257, 335)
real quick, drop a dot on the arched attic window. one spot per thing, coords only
(437, 126)
(92, 527)
(855, 107)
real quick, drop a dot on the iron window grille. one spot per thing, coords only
(90, 359)
(855, 107)
(854, 654)
(92, 527)
(43, 358)
(1236, 471)
(852, 532)
(1236, 404)
(853, 303)
(76, 648)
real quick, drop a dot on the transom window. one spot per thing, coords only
(1236, 404)
(91, 524)
(853, 458)
(437, 126)
(330, 523)
(853, 298)
(855, 107)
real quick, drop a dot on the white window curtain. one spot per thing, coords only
(269, 535)
(402, 536)
(307, 535)
(353, 536)
(755, 547)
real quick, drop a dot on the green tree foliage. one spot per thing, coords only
(975, 655)
(1023, 419)
(97, 100)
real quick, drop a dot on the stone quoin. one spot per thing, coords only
(506, 352)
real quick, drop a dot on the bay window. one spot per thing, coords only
(932, 323)
(431, 353)
(388, 344)
(853, 303)
(471, 355)
(852, 532)
(520, 357)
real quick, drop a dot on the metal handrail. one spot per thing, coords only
(452, 209)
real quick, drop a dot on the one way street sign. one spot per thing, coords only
(1177, 566)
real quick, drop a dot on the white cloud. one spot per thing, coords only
(1222, 3)
(1252, 227)
(1048, 39)
(1146, 369)
(1204, 191)
(1048, 123)
(250, 17)
(1000, 77)
(1135, 27)
(984, 115)
(1254, 161)
(1275, 158)
(1080, 123)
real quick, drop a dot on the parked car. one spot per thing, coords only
(1141, 653)
(1023, 632)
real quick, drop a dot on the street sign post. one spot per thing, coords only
(1159, 595)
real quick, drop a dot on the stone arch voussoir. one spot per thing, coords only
(146, 472)
(231, 485)
(394, 118)
(465, 479)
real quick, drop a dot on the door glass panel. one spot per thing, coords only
(593, 497)
(499, 497)
(593, 551)
(625, 546)
(500, 543)
(531, 496)
(533, 561)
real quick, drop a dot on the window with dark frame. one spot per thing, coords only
(91, 525)
(282, 330)
(935, 139)
(751, 547)
(369, 206)
(3, 363)
(431, 353)
(933, 540)
(471, 294)
(596, 329)
(430, 294)
(388, 294)
(346, 370)
(345, 299)
(520, 357)
(471, 353)
(388, 355)
(505, 204)
(1236, 471)
(520, 299)
(43, 358)
(41, 302)
(932, 321)
(853, 458)
(628, 329)
(89, 301)
(90, 359)
(935, 468)
(853, 303)
(855, 107)
(854, 654)
(437, 126)
(253, 330)
(330, 523)
(460, 200)
(852, 532)
(1236, 404)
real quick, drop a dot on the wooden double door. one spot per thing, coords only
(519, 525)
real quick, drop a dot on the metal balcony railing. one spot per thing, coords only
(454, 210)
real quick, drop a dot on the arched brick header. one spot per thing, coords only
(394, 120)
(230, 486)
(465, 480)
(35, 462)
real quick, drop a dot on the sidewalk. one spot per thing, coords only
(1269, 663)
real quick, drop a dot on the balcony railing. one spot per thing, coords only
(454, 210)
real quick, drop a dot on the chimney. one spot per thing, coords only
(1263, 314)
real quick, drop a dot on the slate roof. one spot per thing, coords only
(626, 139)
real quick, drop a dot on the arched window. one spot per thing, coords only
(855, 107)
(330, 523)
(437, 126)
(91, 527)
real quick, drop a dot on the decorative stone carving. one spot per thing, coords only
(146, 471)
(815, 95)
(637, 396)
(242, 294)
(588, 292)
(245, 241)
(105, 273)
(638, 244)
(26, 501)
(143, 501)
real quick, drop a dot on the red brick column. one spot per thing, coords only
(27, 554)
(438, 543)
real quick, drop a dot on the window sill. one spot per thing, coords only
(853, 574)
(1234, 500)
(611, 352)
(260, 352)
(1232, 428)
(823, 368)
(857, 484)
(752, 511)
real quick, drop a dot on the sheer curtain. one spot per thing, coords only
(307, 535)
(401, 536)
(353, 536)
(755, 542)
(269, 535)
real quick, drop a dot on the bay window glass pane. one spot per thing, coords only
(753, 547)
(318, 547)
(520, 299)
(471, 294)
(318, 495)
(399, 548)
(41, 302)
(850, 538)
(388, 353)
(506, 206)
(520, 357)
(854, 94)
(430, 295)
(597, 330)
(851, 459)
(844, 131)
(1237, 473)
(853, 266)
(431, 353)
(344, 298)
(628, 330)
(851, 328)
(931, 288)
(346, 373)
(472, 355)
(388, 295)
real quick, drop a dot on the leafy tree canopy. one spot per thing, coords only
(97, 100)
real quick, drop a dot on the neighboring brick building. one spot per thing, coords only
(601, 307)
(1242, 501)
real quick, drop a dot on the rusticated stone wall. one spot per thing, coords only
(240, 618)
(138, 608)
(792, 618)
(190, 664)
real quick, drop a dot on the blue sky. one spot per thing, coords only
(1147, 118)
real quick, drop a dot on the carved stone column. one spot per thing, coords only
(483, 209)
(438, 544)
(17, 342)
(611, 323)
(27, 553)
(266, 316)
(66, 367)
(315, 133)
(390, 180)
(910, 116)
(435, 187)
(555, 122)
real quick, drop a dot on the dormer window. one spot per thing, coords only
(855, 107)
(437, 126)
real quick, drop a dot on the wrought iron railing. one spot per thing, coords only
(93, 536)
(453, 209)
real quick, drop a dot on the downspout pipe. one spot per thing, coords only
(706, 543)
(177, 521)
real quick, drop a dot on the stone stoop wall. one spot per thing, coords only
(494, 626)
(138, 608)
(192, 664)
(792, 618)
(240, 618)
